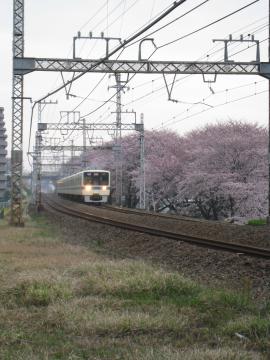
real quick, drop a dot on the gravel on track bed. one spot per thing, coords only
(242, 234)
(207, 266)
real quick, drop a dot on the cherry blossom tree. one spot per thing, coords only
(214, 172)
(226, 171)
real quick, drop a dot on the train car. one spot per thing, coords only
(89, 186)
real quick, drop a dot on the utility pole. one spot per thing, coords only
(84, 161)
(38, 202)
(120, 86)
(118, 143)
(37, 165)
(142, 165)
(71, 169)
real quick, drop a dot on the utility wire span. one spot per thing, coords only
(180, 80)
(172, 122)
(150, 93)
(196, 7)
(191, 33)
(125, 42)
(175, 40)
(205, 26)
(206, 98)
(193, 104)
(211, 95)
(94, 15)
(252, 30)
(123, 13)
(169, 23)
(175, 5)
(87, 96)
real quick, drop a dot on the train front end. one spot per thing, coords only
(96, 186)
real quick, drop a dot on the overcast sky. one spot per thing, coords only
(51, 24)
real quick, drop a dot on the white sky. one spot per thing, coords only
(51, 24)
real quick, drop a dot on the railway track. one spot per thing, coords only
(164, 216)
(87, 214)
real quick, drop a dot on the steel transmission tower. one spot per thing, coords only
(3, 155)
(268, 217)
(17, 116)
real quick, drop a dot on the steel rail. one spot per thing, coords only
(202, 242)
(164, 216)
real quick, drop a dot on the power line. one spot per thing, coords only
(175, 5)
(253, 30)
(105, 102)
(172, 122)
(205, 26)
(94, 15)
(178, 81)
(171, 22)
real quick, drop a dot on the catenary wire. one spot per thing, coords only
(175, 5)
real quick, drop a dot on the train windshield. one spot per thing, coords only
(96, 178)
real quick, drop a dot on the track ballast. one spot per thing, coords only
(88, 213)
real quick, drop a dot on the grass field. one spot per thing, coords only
(61, 301)
(257, 222)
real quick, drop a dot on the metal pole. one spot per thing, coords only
(72, 158)
(38, 197)
(142, 167)
(16, 213)
(118, 138)
(38, 162)
(34, 175)
(84, 145)
(268, 215)
(63, 163)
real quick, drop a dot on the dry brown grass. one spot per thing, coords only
(59, 301)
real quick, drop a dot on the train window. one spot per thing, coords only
(96, 178)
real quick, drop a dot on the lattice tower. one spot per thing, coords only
(3, 155)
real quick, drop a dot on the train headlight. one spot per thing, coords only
(88, 187)
(104, 188)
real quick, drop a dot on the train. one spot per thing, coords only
(89, 186)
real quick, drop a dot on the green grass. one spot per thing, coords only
(61, 301)
(257, 222)
(36, 293)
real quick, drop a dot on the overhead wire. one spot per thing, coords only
(178, 40)
(170, 22)
(108, 100)
(216, 106)
(207, 53)
(83, 26)
(196, 103)
(187, 76)
(175, 5)
(205, 26)
(179, 80)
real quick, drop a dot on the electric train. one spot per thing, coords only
(89, 186)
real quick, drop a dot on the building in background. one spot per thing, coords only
(3, 158)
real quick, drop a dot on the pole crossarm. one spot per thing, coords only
(93, 126)
(24, 66)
